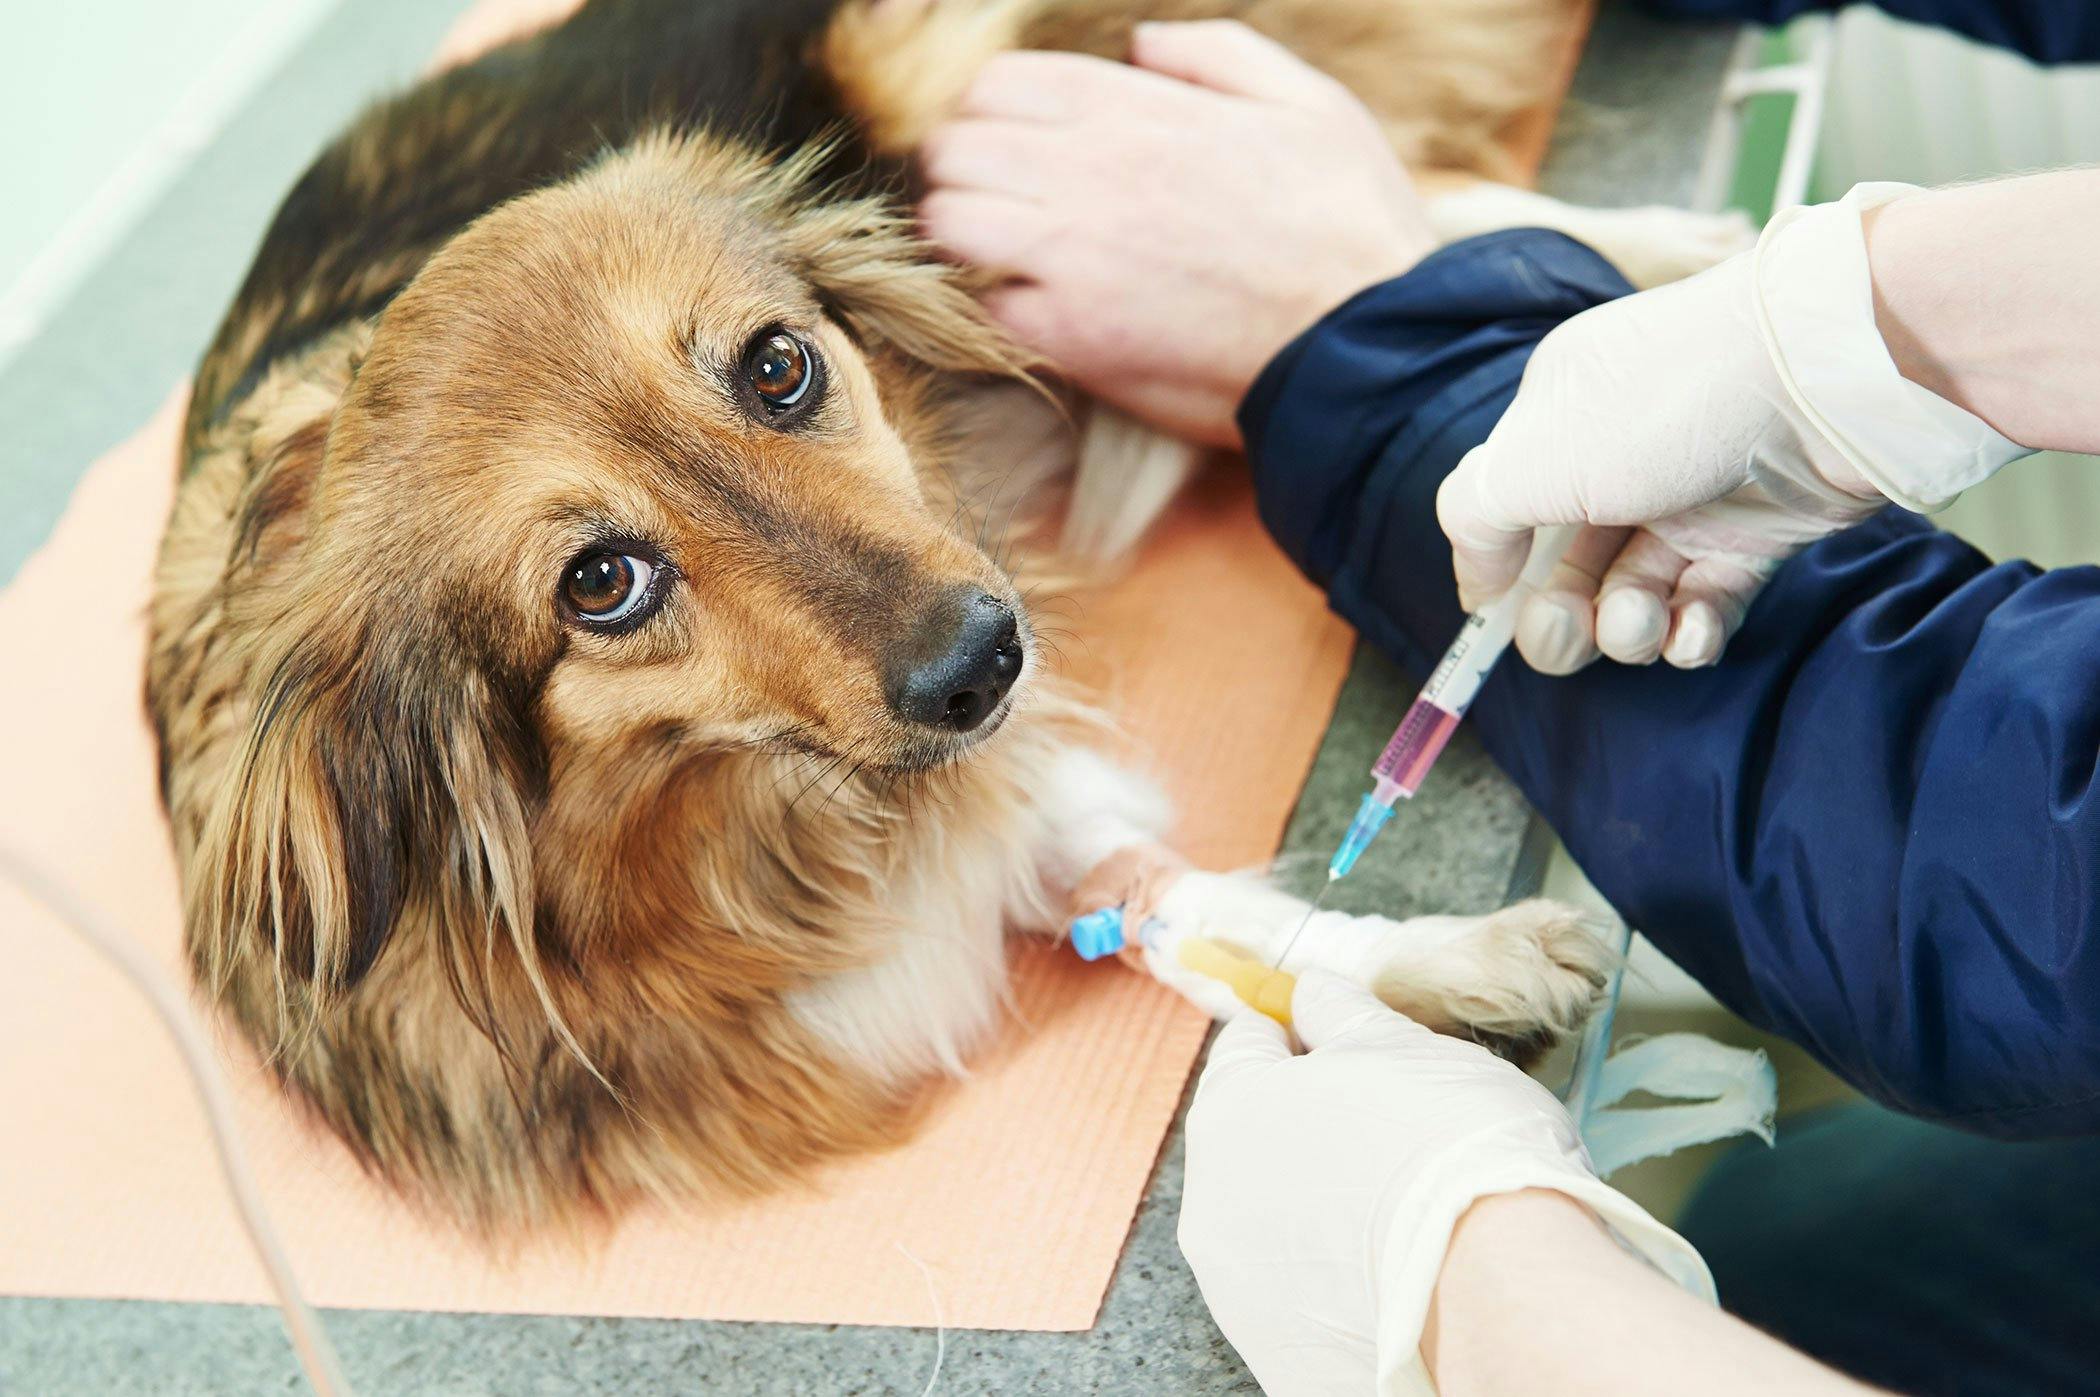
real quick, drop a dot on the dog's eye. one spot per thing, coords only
(780, 369)
(605, 588)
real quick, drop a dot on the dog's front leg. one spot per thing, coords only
(1651, 245)
(1516, 980)
(1094, 816)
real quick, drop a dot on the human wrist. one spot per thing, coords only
(1978, 302)
(1332, 285)
(1868, 430)
(1536, 1153)
(1534, 1227)
(1541, 1293)
(1500, 1228)
(1911, 308)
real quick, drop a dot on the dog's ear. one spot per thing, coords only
(861, 252)
(376, 776)
(878, 276)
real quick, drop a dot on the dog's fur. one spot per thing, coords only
(541, 920)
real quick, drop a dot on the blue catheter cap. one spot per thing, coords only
(1098, 934)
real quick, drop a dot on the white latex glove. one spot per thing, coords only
(1321, 1190)
(1706, 431)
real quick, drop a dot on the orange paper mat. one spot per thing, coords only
(1016, 1195)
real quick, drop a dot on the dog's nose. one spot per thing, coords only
(958, 665)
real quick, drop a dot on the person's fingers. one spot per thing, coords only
(1633, 601)
(1488, 549)
(1554, 634)
(991, 230)
(1037, 86)
(986, 155)
(1708, 605)
(1632, 623)
(1556, 629)
(1325, 1009)
(1227, 56)
(1247, 1043)
(1697, 634)
(1029, 313)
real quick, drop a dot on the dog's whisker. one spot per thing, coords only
(841, 785)
(811, 784)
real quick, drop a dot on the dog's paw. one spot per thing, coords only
(1517, 981)
(1657, 244)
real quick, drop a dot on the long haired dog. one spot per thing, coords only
(604, 749)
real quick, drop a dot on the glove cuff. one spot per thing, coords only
(1419, 1235)
(1815, 307)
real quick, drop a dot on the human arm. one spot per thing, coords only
(1989, 296)
(1873, 827)
(1535, 1296)
(1363, 1216)
(2047, 31)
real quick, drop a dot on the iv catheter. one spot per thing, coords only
(1433, 716)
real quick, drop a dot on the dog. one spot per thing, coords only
(602, 724)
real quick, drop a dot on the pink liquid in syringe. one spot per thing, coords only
(1416, 744)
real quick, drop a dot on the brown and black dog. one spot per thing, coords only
(603, 746)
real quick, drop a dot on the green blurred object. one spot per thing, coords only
(1764, 136)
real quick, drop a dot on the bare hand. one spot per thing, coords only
(1169, 227)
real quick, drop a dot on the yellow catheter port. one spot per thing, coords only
(1257, 986)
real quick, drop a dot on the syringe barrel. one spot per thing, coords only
(1414, 749)
(1434, 715)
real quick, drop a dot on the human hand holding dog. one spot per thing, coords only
(1169, 226)
(1323, 1190)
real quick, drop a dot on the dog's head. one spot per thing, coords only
(618, 482)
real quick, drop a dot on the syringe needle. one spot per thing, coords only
(1303, 923)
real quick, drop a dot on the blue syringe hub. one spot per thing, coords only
(1371, 817)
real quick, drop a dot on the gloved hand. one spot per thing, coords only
(1321, 1190)
(1705, 431)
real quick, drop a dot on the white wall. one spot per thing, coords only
(1920, 105)
(1914, 104)
(101, 101)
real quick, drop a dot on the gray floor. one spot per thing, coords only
(139, 323)
(1644, 93)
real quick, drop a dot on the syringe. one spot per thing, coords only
(1434, 715)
